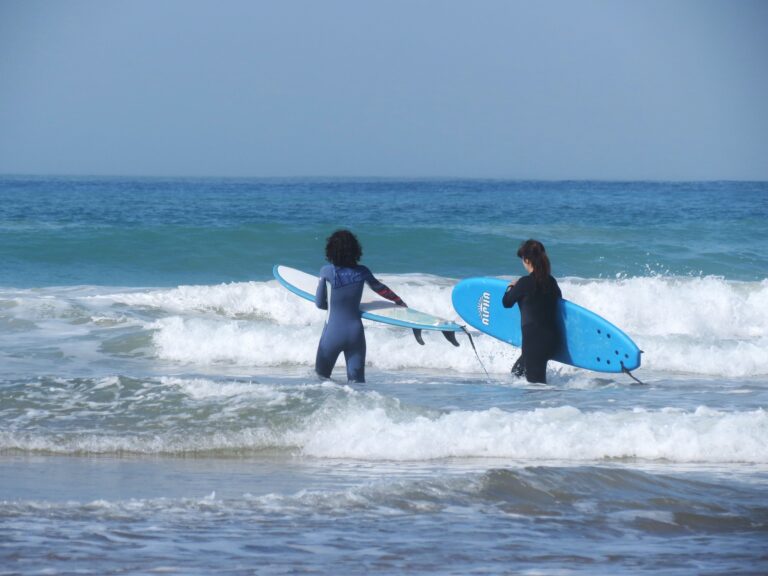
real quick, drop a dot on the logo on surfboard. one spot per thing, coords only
(484, 308)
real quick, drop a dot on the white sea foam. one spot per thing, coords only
(205, 341)
(707, 326)
(706, 307)
(367, 427)
(105, 443)
(202, 388)
(261, 299)
(563, 433)
(269, 300)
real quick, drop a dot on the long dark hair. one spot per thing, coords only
(534, 252)
(343, 249)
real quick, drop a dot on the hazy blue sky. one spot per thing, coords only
(549, 89)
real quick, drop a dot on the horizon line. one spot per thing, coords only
(367, 178)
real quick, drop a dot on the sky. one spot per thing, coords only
(552, 89)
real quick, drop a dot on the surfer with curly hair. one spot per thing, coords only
(538, 295)
(339, 290)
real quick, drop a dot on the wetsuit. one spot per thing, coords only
(343, 331)
(539, 322)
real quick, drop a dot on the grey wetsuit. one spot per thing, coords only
(343, 331)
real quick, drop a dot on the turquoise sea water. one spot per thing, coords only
(160, 413)
(170, 232)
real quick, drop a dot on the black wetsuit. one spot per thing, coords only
(538, 321)
(343, 331)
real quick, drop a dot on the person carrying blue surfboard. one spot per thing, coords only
(537, 295)
(343, 330)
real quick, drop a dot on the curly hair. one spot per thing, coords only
(343, 249)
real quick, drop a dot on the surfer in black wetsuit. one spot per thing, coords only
(537, 295)
(343, 331)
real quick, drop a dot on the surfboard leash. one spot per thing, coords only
(474, 349)
(472, 342)
(628, 373)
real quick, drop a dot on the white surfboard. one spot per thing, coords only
(372, 306)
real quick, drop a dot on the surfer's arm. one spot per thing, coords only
(321, 295)
(384, 291)
(515, 291)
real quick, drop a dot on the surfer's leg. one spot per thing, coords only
(536, 371)
(354, 355)
(536, 352)
(519, 367)
(324, 363)
(327, 354)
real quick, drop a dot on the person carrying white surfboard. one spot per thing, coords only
(343, 330)
(537, 295)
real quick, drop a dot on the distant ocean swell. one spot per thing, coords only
(165, 232)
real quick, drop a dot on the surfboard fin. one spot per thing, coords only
(417, 335)
(451, 337)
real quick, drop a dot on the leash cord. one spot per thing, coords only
(472, 342)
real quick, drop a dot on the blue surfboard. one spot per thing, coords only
(372, 306)
(589, 341)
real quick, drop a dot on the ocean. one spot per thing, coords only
(160, 414)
